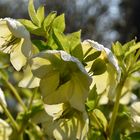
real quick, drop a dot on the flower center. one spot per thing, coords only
(10, 42)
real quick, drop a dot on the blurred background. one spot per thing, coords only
(102, 20)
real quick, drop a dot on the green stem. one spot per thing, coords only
(116, 106)
(32, 98)
(8, 114)
(23, 125)
(15, 94)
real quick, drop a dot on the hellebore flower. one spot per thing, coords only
(102, 65)
(29, 81)
(15, 40)
(135, 114)
(63, 78)
(2, 100)
(5, 130)
(62, 122)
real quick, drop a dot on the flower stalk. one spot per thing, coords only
(116, 106)
(14, 91)
(8, 114)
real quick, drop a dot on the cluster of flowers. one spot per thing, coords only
(64, 80)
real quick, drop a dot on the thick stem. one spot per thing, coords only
(116, 106)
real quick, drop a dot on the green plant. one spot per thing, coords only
(63, 88)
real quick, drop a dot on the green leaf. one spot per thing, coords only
(51, 43)
(128, 45)
(132, 49)
(40, 14)
(28, 24)
(136, 67)
(48, 20)
(117, 49)
(130, 61)
(98, 67)
(41, 45)
(90, 105)
(61, 40)
(74, 40)
(32, 12)
(59, 23)
(38, 32)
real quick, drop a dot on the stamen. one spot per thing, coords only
(10, 43)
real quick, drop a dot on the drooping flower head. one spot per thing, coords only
(15, 40)
(102, 65)
(63, 78)
(63, 122)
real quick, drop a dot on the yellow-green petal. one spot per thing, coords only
(29, 81)
(17, 58)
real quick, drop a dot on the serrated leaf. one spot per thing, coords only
(40, 14)
(59, 23)
(98, 67)
(32, 12)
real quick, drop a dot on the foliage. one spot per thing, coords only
(58, 87)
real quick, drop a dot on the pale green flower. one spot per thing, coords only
(63, 78)
(2, 100)
(5, 130)
(29, 81)
(107, 71)
(15, 40)
(135, 114)
(62, 122)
